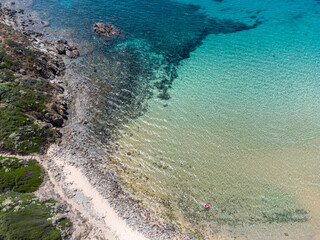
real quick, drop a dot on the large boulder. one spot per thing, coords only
(61, 48)
(108, 30)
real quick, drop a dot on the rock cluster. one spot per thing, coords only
(27, 24)
(108, 30)
(57, 113)
(10, 17)
(49, 67)
(63, 48)
(7, 11)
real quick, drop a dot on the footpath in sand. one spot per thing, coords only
(87, 199)
(91, 214)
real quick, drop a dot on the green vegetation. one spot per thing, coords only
(6, 76)
(5, 60)
(24, 129)
(22, 215)
(20, 49)
(65, 223)
(27, 94)
(19, 176)
(23, 101)
(26, 219)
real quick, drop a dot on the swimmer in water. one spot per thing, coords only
(206, 206)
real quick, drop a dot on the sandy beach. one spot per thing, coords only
(92, 215)
(86, 199)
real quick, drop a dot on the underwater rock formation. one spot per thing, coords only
(108, 30)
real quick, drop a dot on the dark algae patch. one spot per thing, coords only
(22, 215)
(27, 114)
(274, 206)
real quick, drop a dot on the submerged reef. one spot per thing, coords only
(166, 29)
(30, 108)
(127, 72)
(22, 214)
(109, 30)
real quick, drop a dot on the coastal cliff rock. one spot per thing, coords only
(63, 48)
(19, 56)
(49, 67)
(108, 30)
(30, 106)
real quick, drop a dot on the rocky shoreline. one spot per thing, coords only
(77, 150)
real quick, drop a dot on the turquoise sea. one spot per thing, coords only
(208, 101)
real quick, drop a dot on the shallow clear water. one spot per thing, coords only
(241, 128)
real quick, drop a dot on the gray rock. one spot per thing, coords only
(76, 52)
(23, 71)
(70, 54)
(72, 46)
(57, 218)
(63, 41)
(61, 48)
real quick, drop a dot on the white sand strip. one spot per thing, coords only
(105, 222)
(116, 224)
